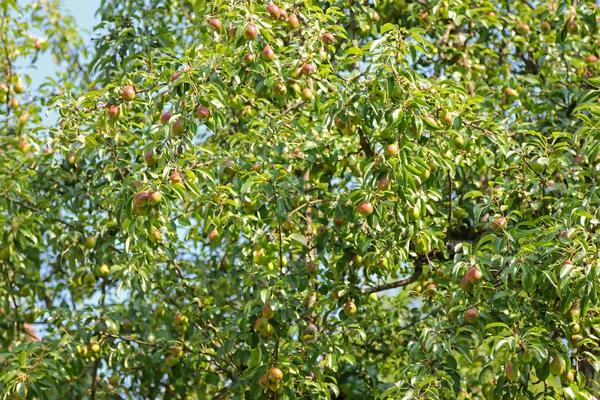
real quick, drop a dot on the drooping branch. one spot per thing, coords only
(403, 282)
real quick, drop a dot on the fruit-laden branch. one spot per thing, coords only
(403, 282)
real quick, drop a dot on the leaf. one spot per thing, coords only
(298, 239)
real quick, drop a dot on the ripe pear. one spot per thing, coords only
(472, 316)
(511, 372)
(251, 32)
(474, 275)
(557, 364)
(365, 209)
(349, 308)
(128, 93)
(267, 311)
(275, 374)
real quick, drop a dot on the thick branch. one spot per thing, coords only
(365, 144)
(403, 282)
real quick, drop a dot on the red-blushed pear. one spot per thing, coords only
(268, 54)
(510, 92)
(499, 224)
(275, 374)
(181, 319)
(339, 123)
(392, 149)
(308, 69)
(213, 236)
(472, 316)
(328, 38)
(90, 242)
(340, 220)
(48, 150)
(203, 113)
(474, 275)
(263, 381)
(591, 59)
(176, 351)
(23, 145)
(154, 197)
(39, 42)
(546, 27)
(171, 361)
(293, 21)
(322, 53)
(249, 58)
(312, 268)
(383, 184)
(376, 16)
(273, 10)
(575, 339)
(165, 117)
(349, 308)
(298, 72)
(155, 236)
(447, 117)
(307, 94)
(512, 374)
(523, 28)
(114, 113)
(572, 26)
(565, 234)
(149, 157)
(365, 209)
(567, 377)
(283, 15)
(431, 121)
(465, 285)
(175, 178)
(575, 312)
(280, 88)
(260, 324)
(71, 158)
(113, 380)
(257, 167)
(216, 24)
(178, 126)
(128, 93)
(267, 311)
(141, 199)
(251, 32)
(232, 32)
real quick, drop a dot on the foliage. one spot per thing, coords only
(218, 205)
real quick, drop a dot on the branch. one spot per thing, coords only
(450, 190)
(39, 212)
(403, 282)
(365, 144)
(94, 379)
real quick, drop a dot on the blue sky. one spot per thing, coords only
(84, 13)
